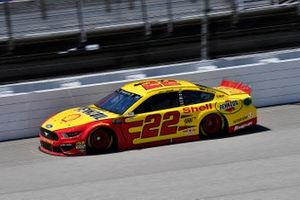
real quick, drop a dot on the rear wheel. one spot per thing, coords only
(100, 141)
(212, 126)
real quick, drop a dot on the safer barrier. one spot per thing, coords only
(274, 77)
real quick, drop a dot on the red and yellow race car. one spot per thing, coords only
(149, 113)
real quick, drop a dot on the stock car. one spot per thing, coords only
(149, 113)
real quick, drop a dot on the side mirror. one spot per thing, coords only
(131, 114)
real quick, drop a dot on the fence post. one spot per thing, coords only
(145, 18)
(43, 9)
(235, 7)
(108, 5)
(298, 7)
(79, 5)
(204, 31)
(131, 4)
(170, 16)
(9, 28)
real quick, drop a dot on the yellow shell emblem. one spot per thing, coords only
(70, 117)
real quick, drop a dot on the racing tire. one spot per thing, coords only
(212, 126)
(100, 141)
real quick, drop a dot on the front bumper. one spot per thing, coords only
(59, 148)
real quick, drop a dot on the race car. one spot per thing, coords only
(149, 113)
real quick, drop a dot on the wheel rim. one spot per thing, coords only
(100, 140)
(212, 125)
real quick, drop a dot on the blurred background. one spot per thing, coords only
(51, 38)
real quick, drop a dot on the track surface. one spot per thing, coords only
(263, 163)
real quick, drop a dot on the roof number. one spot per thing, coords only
(148, 85)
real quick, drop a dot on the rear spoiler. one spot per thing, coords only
(237, 85)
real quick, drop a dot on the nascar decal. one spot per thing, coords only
(92, 113)
(229, 107)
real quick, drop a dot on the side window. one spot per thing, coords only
(159, 102)
(194, 97)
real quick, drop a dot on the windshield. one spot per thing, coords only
(118, 101)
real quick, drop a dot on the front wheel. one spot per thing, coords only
(212, 126)
(100, 141)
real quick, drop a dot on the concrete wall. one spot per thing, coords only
(274, 78)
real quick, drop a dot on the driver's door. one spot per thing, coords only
(156, 119)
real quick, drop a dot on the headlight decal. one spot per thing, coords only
(70, 134)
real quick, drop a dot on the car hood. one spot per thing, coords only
(76, 117)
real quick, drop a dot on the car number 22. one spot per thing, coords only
(152, 126)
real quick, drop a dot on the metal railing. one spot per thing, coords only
(41, 18)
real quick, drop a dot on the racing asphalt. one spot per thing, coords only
(261, 164)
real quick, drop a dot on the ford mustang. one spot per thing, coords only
(149, 113)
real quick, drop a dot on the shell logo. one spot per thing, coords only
(71, 117)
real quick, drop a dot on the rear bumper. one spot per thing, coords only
(243, 125)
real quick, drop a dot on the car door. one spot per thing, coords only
(157, 118)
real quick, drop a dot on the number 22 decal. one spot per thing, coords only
(168, 127)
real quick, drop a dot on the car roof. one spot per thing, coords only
(144, 87)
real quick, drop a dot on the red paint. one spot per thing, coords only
(186, 139)
(124, 138)
(151, 85)
(169, 126)
(237, 85)
(150, 128)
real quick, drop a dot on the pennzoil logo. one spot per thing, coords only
(229, 107)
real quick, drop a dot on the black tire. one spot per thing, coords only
(212, 126)
(100, 141)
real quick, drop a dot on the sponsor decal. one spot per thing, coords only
(248, 116)
(80, 146)
(188, 120)
(238, 127)
(71, 117)
(192, 109)
(190, 131)
(240, 119)
(229, 107)
(92, 113)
